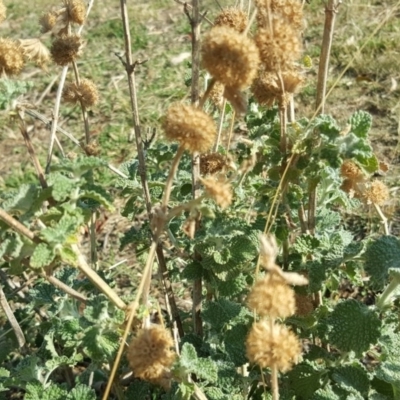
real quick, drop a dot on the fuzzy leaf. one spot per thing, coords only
(98, 195)
(38, 392)
(81, 392)
(221, 312)
(42, 256)
(98, 345)
(389, 371)
(304, 380)
(352, 378)
(192, 271)
(360, 123)
(306, 244)
(79, 166)
(381, 255)
(20, 201)
(325, 394)
(353, 326)
(64, 231)
(62, 186)
(234, 341)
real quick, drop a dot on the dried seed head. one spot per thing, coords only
(191, 127)
(11, 57)
(351, 171)
(66, 49)
(211, 163)
(150, 355)
(48, 21)
(86, 93)
(274, 345)
(35, 50)
(230, 57)
(217, 94)
(376, 193)
(3, 11)
(271, 296)
(219, 190)
(279, 48)
(232, 18)
(236, 98)
(268, 251)
(76, 11)
(289, 10)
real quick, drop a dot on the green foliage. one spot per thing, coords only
(11, 89)
(353, 327)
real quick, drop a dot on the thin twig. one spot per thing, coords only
(65, 288)
(35, 160)
(11, 318)
(132, 312)
(220, 125)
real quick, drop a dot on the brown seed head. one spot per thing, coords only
(11, 57)
(219, 190)
(376, 193)
(86, 93)
(230, 57)
(289, 10)
(236, 98)
(48, 21)
(279, 48)
(351, 171)
(150, 355)
(35, 50)
(3, 11)
(232, 18)
(274, 345)
(272, 297)
(190, 127)
(217, 94)
(66, 49)
(76, 11)
(211, 163)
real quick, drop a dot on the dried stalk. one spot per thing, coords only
(11, 318)
(35, 160)
(195, 21)
(65, 288)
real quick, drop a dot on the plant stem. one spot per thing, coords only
(65, 288)
(274, 371)
(195, 21)
(388, 293)
(11, 318)
(132, 312)
(220, 125)
(130, 71)
(330, 16)
(170, 179)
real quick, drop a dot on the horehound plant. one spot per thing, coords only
(203, 227)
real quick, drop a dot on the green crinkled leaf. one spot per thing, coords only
(98, 345)
(325, 394)
(232, 287)
(381, 255)
(29, 370)
(20, 201)
(306, 244)
(361, 123)
(10, 89)
(204, 368)
(222, 256)
(352, 378)
(38, 392)
(63, 231)
(389, 371)
(6, 346)
(385, 389)
(98, 195)
(11, 246)
(62, 186)
(353, 326)
(138, 390)
(234, 341)
(42, 256)
(221, 312)
(136, 236)
(68, 256)
(193, 271)
(327, 126)
(304, 380)
(316, 275)
(81, 392)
